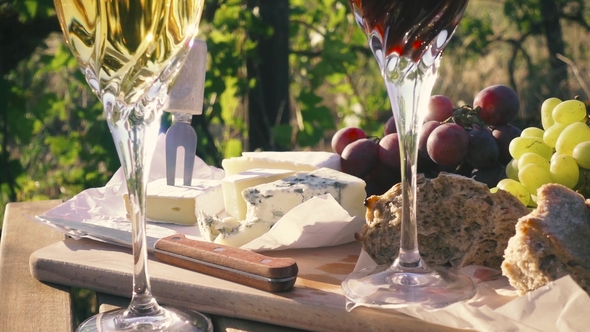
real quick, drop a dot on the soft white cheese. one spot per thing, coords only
(270, 201)
(291, 160)
(210, 226)
(179, 204)
(247, 231)
(233, 186)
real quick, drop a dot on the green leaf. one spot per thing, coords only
(233, 148)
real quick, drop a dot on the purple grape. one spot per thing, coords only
(381, 179)
(359, 157)
(504, 135)
(345, 136)
(440, 108)
(483, 150)
(490, 175)
(447, 146)
(389, 151)
(426, 130)
(390, 127)
(499, 104)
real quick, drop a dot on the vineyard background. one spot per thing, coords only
(55, 142)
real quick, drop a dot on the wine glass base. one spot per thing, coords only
(384, 287)
(171, 319)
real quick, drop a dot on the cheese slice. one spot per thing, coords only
(291, 160)
(179, 204)
(233, 186)
(270, 201)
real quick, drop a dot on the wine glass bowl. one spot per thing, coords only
(130, 52)
(407, 38)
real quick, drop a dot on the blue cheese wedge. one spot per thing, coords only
(179, 204)
(267, 203)
(270, 201)
(211, 226)
(291, 160)
(247, 231)
(233, 186)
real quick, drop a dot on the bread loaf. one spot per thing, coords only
(459, 222)
(551, 242)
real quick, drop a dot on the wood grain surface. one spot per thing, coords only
(315, 303)
(27, 304)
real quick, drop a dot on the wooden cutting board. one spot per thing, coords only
(315, 303)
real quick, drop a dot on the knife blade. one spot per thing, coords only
(272, 274)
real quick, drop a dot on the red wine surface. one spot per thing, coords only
(408, 27)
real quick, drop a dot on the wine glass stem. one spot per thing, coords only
(409, 97)
(135, 129)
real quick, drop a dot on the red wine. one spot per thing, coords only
(408, 27)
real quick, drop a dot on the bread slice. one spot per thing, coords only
(459, 222)
(551, 242)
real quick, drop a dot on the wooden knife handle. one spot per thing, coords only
(238, 265)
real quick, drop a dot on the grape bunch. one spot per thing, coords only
(375, 160)
(471, 141)
(558, 153)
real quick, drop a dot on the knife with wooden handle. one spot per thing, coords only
(245, 267)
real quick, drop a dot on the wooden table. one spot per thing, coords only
(27, 304)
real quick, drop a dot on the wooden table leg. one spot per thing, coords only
(27, 304)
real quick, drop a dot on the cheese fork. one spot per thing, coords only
(186, 99)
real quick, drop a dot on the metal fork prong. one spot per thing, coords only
(188, 143)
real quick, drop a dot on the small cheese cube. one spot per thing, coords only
(179, 204)
(247, 231)
(233, 186)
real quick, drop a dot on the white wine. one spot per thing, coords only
(123, 46)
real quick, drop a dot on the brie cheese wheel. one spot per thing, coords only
(270, 201)
(290, 160)
(179, 204)
(233, 186)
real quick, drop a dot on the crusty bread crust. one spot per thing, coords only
(459, 222)
(551, 242)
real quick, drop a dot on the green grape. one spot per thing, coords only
(532, 158)
(522, 145)
(532, 132)
(550, 136)
(569, 111)
(516, 189)
(581, 154)
(571, 136)
(564, 170)
(547, 112)
(533, 177)
(533, 202)
(512, 169)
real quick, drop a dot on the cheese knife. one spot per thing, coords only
(272, 274)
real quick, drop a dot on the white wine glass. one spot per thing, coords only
(130, 52)
(407, 38)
